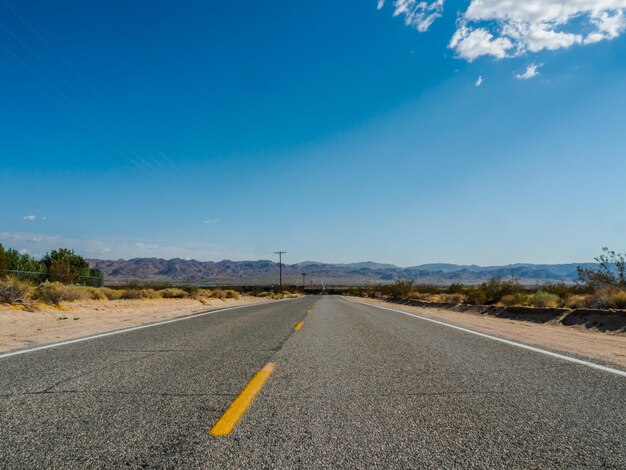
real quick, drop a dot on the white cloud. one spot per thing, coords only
(479, 81)
(470, 44)
(417, 14)
(535, 25)
(531, 72)
(510, 28)
(211, 221)
(30, 217)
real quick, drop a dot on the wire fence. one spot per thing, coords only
(39, 277)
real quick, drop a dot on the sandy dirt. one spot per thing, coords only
(19, 328)
(609, 347)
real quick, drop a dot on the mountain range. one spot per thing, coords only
(265, 272)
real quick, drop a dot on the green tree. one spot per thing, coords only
(23, 262)
(63, 265)
(4, 261)
(611, 271)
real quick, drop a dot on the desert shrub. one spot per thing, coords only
(610, 271)
(456, 288)
(131, 294)
(263, 294)
(515, 300)
(456, 298)
(219, 294)
(14, 291)
(233, 294)
(429, 289)
(497, 287)
(475, 296)
(173, 293)
(97, 294)
(423, 296)
(545, 299)
(198, 294)
(54, 293)
(617, 299)
(599, 299)
(400, 289)
(191, 290)
(111, 294)
(576, 301)
(565, 291)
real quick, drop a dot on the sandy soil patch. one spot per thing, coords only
(609, 347)
(19, 328)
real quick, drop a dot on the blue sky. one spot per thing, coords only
(338, 131)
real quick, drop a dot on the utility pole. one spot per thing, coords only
(303, 284)
(280, 266)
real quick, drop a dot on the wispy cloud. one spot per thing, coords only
(505, 28)
(531, 72)
(30, 218)
(417, 14)
(38, 244)
(479, 81)
(211, 221)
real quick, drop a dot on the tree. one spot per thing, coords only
(611, 271)
(65, 266)
(4, 261)
(23, 262)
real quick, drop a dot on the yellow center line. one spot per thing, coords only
(238, 407)
(309, 310)
(298, 326)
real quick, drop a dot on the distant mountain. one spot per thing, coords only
(266, 272)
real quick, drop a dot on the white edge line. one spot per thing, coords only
(132, 328)
(502, 340)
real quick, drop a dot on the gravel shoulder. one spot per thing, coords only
(605, 346)
(19, 328)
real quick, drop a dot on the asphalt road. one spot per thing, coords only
(355, 387)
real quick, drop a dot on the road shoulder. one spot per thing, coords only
(608, 347)
(19, 329)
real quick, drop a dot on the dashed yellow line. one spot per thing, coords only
(298, 326)
(238, 407)
(309, 310)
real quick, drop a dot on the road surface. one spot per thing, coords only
(354, 386)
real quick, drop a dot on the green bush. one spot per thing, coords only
(496, 288)
(545, 299)
(54, 293)
(475, 296)
(456, 288)
(173, 293)
(13, 291)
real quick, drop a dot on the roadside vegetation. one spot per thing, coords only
(63, 276)
(601, 287)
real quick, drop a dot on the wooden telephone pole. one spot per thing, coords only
(280, 265)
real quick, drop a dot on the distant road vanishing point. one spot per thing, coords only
(314, 382)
